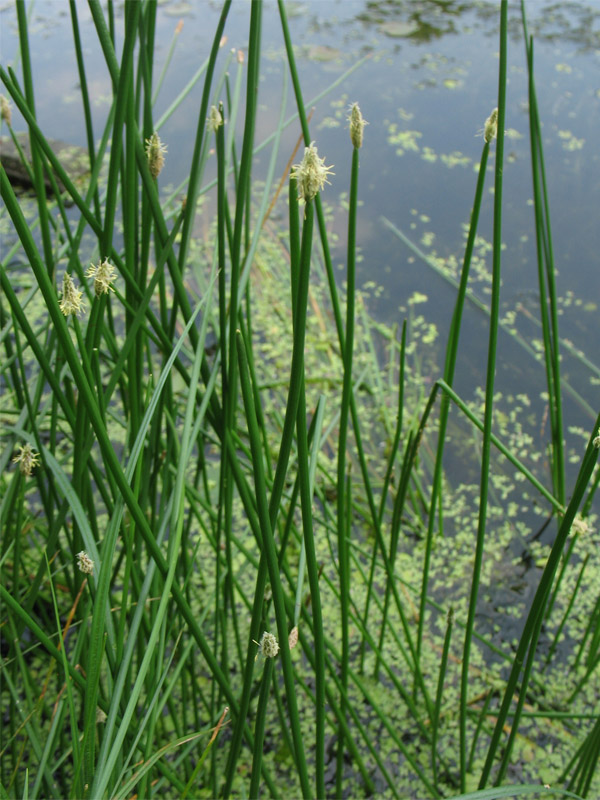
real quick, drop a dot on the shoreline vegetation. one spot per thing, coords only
(234, 560)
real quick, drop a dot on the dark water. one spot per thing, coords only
(426, 88)
(432, 71)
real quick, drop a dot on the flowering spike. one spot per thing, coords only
(155, 152)
(71, 302)
(214, 119)
(85, 563)
(490, 129)
(5, 110)
(357, 124)
(269, 646)
(311, 174)
(579, 527)
(103, 274)
(27, 459)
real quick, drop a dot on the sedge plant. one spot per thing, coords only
(208, 584)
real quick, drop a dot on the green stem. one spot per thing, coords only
(259, 726)
(489, 394)
(449, 367)
(344, 524)
(268, 547)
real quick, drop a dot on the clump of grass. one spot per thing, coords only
(176, 507)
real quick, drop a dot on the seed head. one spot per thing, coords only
(293, 637)
(155, 152)
(490, 129)
(103, 274)
(579, 526)
(85, 563)
(27, 459)
(214, 119)
(311, 174)
(5, 110)
(596, 439)
(269, 646)
(71, 302)
(357, 123)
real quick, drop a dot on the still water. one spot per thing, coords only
(426, 81)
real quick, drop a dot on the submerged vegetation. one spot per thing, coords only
(238, 559)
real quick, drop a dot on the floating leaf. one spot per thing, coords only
(397, 29)
(322, 52)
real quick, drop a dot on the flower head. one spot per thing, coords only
(311, 174)
(269, 647)
(103, 274)
(579, 526)
(5, 110)
(490, 129)
(155, 152)
(71, 302)
(27, 459)
(357, 123)
(85, 563)
(214, 119)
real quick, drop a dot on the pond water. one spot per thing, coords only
(426, 80)
(427, 84)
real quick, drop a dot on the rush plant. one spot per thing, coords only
(213, 581)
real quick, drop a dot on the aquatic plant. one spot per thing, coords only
(215, 450)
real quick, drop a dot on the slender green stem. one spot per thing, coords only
(268, 545)
(344, 526)
(192, 192)
(35, 151)
(439, 694)
(259, 726)
(489, 395)
(546, 282)
(449, 368)
(306, 495)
